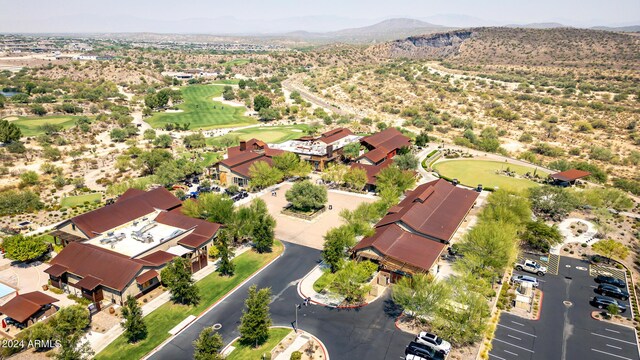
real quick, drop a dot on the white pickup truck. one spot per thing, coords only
(531, 266)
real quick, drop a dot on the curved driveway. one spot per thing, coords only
(366, 333)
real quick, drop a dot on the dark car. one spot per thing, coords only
(603, 279)
(613, 291)
(423, 351)
(602, 302)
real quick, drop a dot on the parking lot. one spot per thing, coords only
(565, 329)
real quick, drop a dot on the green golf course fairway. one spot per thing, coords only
(474, 172)
(202, 112)
(268, 134)
(29, 125)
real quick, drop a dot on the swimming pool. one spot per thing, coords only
(6, 290)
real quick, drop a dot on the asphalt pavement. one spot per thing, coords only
(565, 330)
(365, 333)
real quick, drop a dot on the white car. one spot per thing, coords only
(517, 279)
(433, 341)
(414, 357)
(532, 267)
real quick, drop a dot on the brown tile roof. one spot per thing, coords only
(403, 246)
(157, 258)
(334, 135)
(434, 209)
(56, 270)
(133, 206)
(88, 282)
(372, 170)
(240, 158)
(146, 276)
(115, 270)
(243, 169)
(23, 306)
(376, 155)
(570, 175)
(390, 139)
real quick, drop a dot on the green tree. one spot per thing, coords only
(216, 208)
(336, 243)
(264, 175)
(177, 276)
(18, 202)
(194, 141)
(291, 165)
(355, 178)
(613, 309)
(406, 161)
(38, 109)
(269, 114)
(352, 150)
(334, 173)
(226, 266)
(149, 134)
(255, 321)
(464, 319)
(163, 141)
(9, 132)
(488, 248)
(29, 178)
(392, 177)
(208, 345)
(263, 229)
(420, 295)
(611, 249)
(152, 159)
(118, 135)
(507, 207)
(21, 248)
(422, 139)
(305, 196)
(134, 327)
(51, 153)
(261, 102)
(552, 202)
(68, 325)
(541, 236)
(169, 173)
(351, 280)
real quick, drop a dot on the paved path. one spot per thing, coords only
(308, 96)
(366, 333)
(305, 288)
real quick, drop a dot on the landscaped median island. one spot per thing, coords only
(212, 288)
(245, 351)
(491, 174)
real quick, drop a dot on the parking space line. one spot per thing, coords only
(615, 347)
(613, 331)
(497, 357)
(509, 352)
(516, 330)
(612, 338)
(514, 337)
(517, 323)
(610, 354)
(517, 346)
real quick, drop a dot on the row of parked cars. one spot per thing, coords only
(608, 289)
(427, 346)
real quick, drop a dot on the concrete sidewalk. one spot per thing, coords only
(305, 289)
(301, 339)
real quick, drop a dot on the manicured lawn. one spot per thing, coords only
(163, 319)
(236, 62)
(29, 124)
(243, 352)
(268, 134)
(71, 201)
(202, 112)
(323, 281)
(474, 172)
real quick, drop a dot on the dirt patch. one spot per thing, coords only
(578, 228)
(11, 118)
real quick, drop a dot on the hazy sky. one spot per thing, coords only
(573, 12)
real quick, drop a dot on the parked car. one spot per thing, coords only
(517, 279)
(531, 266)
(434, 341)
(614, 291)
(602, 302)
(604, 279)
(422, 351)
(414, 357)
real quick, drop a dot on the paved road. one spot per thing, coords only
(367, 333)
(308, 96)
(564, 331)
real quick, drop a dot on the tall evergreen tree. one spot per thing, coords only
(255, 321)
(177, 277)
(226, 267)
(134, 327)
(208, 345)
